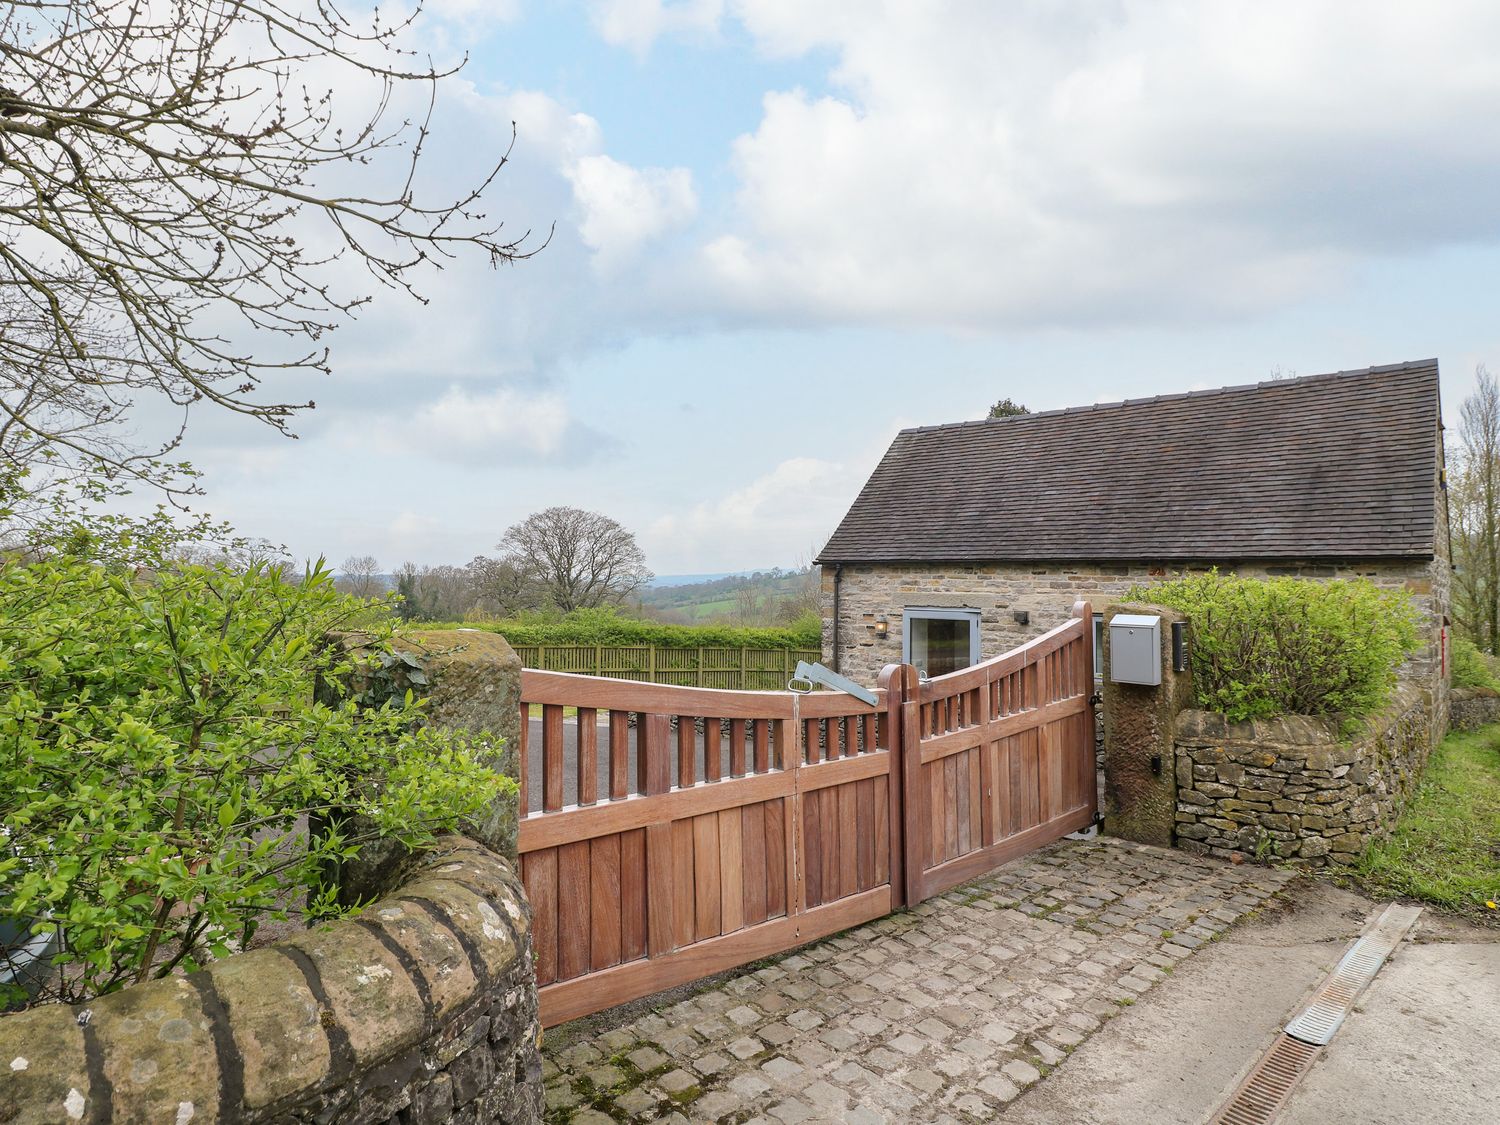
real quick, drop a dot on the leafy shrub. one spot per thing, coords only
(608, 627)
(1264, 647)
(161, 754)
(1472, 667)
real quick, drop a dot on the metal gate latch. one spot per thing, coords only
(810, 674)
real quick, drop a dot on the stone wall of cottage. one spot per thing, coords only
(1294, 787)
(420, 1011)
(1019, 601)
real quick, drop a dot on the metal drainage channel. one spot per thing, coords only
(1265, 1090)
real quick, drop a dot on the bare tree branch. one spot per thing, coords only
(166, 181)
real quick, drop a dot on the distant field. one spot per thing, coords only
(770, 593)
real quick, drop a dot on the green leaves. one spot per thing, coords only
(1265, 647)
(162, 753)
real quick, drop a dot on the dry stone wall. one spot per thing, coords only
(1472, 708)
(420, 1011)
(1291, 787)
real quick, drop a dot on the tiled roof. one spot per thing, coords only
(1342, 465)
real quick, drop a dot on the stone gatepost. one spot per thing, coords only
(1140, 768)
(474, 684)
(471, 681)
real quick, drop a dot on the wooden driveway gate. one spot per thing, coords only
(683, 831)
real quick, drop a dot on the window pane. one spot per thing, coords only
(939, 645)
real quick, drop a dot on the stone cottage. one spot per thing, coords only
(970, 538)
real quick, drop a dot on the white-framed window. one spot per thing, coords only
(1098, 646)
(939, 641)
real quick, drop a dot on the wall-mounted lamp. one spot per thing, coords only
(881, 626)
(1021, 616)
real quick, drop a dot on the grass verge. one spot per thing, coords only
(535, 710)
(1445, 848)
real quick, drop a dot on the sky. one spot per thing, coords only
(781, 231)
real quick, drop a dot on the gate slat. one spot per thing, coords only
(976, 799)
(604, 920)
(619, 754)
(848, 840)
(731, 868)
(864, 833)
(574, 894)
(828, 814)
(684, 906)
(812, 849)
(552, 757)
(633, 894)
(539, 877)
(737, 747)
(753, 846)
(706, 875)
(588, 755)
(713, 761)
(774, 813)
(762, 746)
(687, 751)
(661, 928)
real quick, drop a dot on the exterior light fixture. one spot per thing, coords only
(882, 626)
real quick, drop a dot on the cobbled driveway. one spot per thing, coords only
(946, 1012)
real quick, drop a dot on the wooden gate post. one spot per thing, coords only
(900, 684)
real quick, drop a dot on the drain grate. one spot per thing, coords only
(1318, 1022)
(1266, 1088)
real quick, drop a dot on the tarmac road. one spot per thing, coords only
(1423, 1045)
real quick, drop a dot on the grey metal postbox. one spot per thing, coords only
(1135, 649)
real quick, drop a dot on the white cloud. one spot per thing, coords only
(779, 518)
(625, 207)
(504, 425)
(637, 24)
(986, 165)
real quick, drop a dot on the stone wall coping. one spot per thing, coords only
(1294, 730)
(1464, 694)
(257, 1034)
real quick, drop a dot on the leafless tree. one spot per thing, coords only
(581, 559)
(1474, 510)
(172, 224)
(749, 606)
(434, 593)
(503, 589)
(360, 576)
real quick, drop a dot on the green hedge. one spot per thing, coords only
(607, 627)
(1473, 668)
(1264, 647)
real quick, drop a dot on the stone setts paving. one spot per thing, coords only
(946, 1012)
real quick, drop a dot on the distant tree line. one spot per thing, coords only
(560, 559)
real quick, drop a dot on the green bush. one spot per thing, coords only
(1472, 667)
(1264, 647)
(608, 627)
(161, 754)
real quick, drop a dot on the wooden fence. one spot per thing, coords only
(726, 669)
(669, 832)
